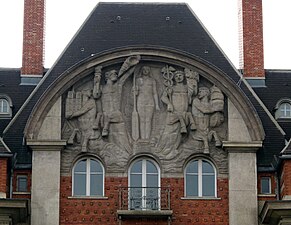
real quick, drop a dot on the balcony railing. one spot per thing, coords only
(144, 198)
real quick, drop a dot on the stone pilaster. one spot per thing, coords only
(243, 204)
(45, 187)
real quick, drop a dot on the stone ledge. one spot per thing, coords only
(242, 147)
(46, 145)
(144, 213)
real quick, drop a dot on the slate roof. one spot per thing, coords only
(114, 25)
(278, 86)
(10, 86)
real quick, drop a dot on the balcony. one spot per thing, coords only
(140, 202)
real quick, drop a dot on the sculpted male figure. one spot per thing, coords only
(202, 110)
(147, 101)
(177, 103)
(178, 117)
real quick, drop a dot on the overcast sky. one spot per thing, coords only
(64, 17)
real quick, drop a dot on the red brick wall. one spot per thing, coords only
(33, 37)
(3, 175)
(285, 178)
(103, 211)
(251, 38)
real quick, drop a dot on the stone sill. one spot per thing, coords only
(21, 193)
(88, 197)
(267, 195)
(144, 213)
(200, 198)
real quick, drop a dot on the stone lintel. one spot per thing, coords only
(46, 145)
(274, 211)
(242, 147)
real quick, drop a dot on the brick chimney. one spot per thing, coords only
(251, 41)
(33, 42)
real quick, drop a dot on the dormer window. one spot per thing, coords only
(5, 107)
(283, 109)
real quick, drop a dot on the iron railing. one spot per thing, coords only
(144, 198)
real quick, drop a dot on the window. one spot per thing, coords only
(265, 185)
(283, 109)
(5, 106)
(21, 183)
(200, 179)
(144, 182)
(88, 178)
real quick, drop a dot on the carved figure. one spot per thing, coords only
(111, 93)
(178, 117)
(86, 116)
(177, 103)
(147, 100)
(96, 95)
(202, 109)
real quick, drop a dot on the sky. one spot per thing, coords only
(220, 17)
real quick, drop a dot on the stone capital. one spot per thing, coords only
(242, 147)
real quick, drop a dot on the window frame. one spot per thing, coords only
(8, 113)
(279, 110)
(144, 174)
(88, 177)
(17, 183)
(270, 185)
(200, 176)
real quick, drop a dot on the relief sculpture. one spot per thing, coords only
(176, 97)
(202, 110)
(141, 106)
(145, 90)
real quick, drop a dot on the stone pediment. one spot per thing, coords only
(154, 102)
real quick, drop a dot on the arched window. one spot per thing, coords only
(5, 106)
(283, 109)
(88, 178)
(200, 179)
(144, 183)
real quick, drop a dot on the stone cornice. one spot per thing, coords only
(242, 147)
(46, 145)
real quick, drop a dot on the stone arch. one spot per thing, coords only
(81, 70)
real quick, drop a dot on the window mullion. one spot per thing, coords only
(200, 178)
(88, 177)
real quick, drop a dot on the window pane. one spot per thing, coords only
(152, 180)
(151, 168)
(95, 167)
(135, 195)
(191, 185)
(80, 184)
(22, 184)
(208, 185)
(265, 185)
(137, 167)
(96, 185)
(207, 167)
(192, 167)
(4, 106)
(135, 180)
(81, 166)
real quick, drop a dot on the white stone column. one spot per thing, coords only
(45, 188)
(243, 203)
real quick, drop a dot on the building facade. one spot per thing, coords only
(143, 120)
